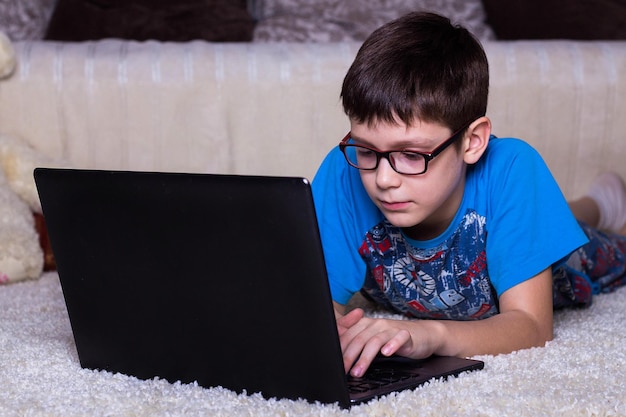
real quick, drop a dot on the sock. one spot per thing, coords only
(609, 193)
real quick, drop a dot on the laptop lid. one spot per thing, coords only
(211, 278)
(190, 277)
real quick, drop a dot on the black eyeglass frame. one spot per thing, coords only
(428, 156)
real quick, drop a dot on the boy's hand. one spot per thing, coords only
(525, 320)
(363, 338)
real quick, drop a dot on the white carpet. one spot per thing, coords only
(581, 373)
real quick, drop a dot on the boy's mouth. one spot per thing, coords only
(394, 205)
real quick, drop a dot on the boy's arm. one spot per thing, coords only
(525, 320)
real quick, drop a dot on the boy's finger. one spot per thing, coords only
(349, 320)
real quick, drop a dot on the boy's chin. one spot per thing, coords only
(402, 220)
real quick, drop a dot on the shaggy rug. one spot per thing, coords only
(582, 372)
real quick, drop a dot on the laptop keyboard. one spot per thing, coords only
(383, 373)
(378, 378)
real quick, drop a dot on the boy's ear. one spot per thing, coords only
(476, 139)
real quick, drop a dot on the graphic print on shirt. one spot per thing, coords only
(449, 281)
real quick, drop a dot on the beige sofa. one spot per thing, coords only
(274, 108)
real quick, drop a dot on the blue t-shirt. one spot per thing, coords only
(513, 222)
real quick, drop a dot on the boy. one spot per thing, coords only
(427, 214)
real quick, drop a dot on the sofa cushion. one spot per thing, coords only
(164, 20)
(354, 20)
(552, 19)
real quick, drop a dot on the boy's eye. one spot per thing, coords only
(365, 153)
(410, 156)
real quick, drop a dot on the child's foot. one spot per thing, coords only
(609, 193)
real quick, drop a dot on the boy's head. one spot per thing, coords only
(418, 67)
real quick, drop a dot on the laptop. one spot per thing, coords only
(214, 279)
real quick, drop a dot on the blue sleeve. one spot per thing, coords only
(344, 212)
(530, 226)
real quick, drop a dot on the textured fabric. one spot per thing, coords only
(597, 267)
(511, 225)
(609, 193)
(164, 20)
(354, 20)
(449, 281)
(578, 374)
(25, 19)
(178, 107)
(566, 99)
(21, 256)
(7, 57)
(555, 19)
(195, 106)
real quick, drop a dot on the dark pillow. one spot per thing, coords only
(353, 20)
(163, 20)
(556, 19)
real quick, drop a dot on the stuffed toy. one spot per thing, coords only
(24, 249)
(21, 253)
(7, 56)
(21, 256)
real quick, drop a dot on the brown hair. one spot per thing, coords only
(418, 67)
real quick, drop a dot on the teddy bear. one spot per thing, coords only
(21, 253)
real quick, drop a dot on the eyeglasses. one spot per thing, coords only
(402, 161)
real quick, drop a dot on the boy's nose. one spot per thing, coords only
(386, 176)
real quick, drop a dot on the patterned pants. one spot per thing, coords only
(597, 267)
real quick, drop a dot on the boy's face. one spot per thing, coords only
(423, 205)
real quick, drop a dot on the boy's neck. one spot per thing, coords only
(423, 232)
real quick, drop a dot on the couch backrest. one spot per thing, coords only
(274, 108)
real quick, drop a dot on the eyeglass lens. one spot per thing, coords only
(402, 161)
